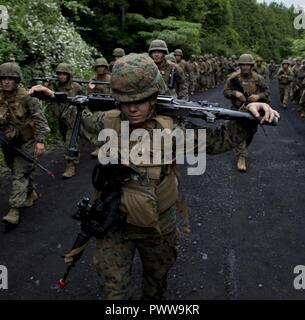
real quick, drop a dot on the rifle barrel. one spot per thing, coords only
(23, 154)
(47, 79)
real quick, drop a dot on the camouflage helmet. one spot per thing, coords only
(259, 59)
(101, 62)
(65, 68)
(299, 59)
(135, 77)
(118, 52)
(10, 69)
(234, 57)
(246, 59)
(285, 62)
(158, 45)
(178, 52)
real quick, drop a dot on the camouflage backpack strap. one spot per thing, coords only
(112, 120)
(181, 202)
(21, 102)
(165, 122)
(235, 74)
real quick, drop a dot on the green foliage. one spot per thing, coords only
(43, 33)
(227, 26)
(39, 37)
(264, 30)
(298, 47)
(174, 32)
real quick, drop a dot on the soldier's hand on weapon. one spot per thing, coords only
(253, 98)
(39, 149)
(269, 113)
(91, 85)
(40, 88)
(240, 96)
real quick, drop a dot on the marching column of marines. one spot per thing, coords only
(134, 81)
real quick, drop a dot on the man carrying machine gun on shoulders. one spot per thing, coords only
(148, 204)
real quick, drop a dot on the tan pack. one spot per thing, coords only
(144, 201)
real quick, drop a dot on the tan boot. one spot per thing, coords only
(94, 154)
(70, 170)
(32, 197)
(241, 164)
(12, 216)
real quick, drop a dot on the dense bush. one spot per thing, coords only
(39, 37)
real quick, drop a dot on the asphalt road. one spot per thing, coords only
(248, 229)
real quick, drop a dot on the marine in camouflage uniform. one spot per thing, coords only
(261, 69)
(101, 68)
(157, 51)
(253, 84)
(224, 64)
(272, 69)
(205, 74)
(202, 72)
(233, 63)
(210, 72)
(218, 70)
(25, 126)
(296, 84)
(151, 227)
(301, 79)
(178, 53)
(116, 54)
(65, 84)
(285, 78)
(193, 71)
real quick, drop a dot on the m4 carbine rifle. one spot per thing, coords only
(7, 145)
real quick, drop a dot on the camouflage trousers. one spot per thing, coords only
(203, 82)
(192, 84)
(67, 142)
(210, 81)
(242, 150)
(302, 100)
(65, 115)
(114, 255)
(22, 179)
(285, 94)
